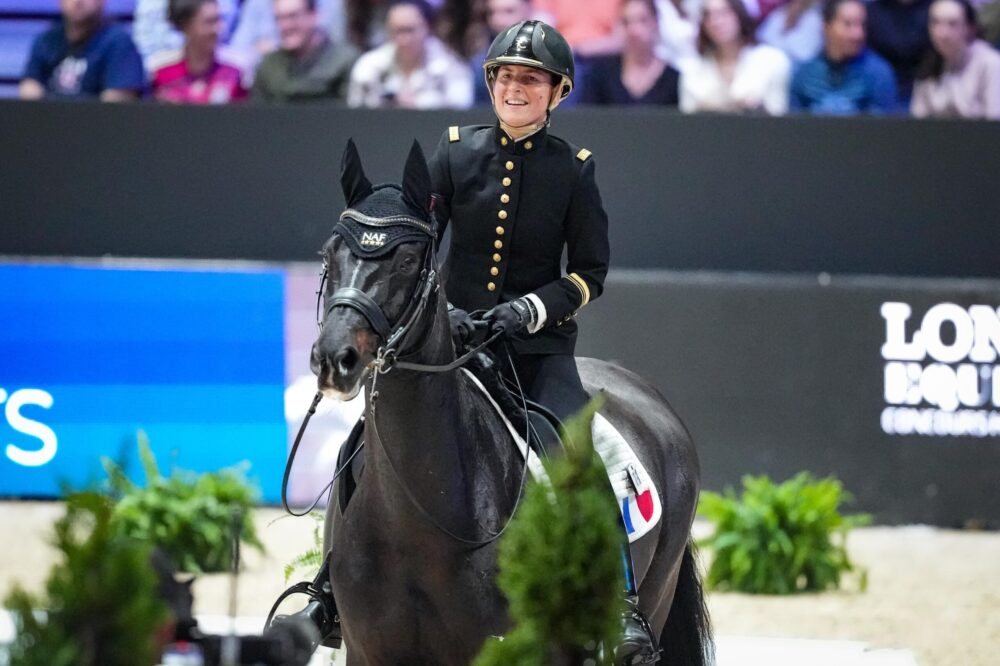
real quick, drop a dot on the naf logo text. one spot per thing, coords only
(47, 446)
(373, 238)
(941, 375)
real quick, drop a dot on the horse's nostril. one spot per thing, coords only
(346, 359)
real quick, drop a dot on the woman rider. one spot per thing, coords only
(515, 197)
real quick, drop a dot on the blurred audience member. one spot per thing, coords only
(309, 65)
(897, 31)
(195, 75)
(846, 78)
(154, 33)
(414, 69)
(764, 8)
(461, 25)
(678, 33)
(83, 55)
(732, 72)
(796, 28)
(638, 75)
(365, 21)
(960, 76)
(256, 32)
(591, 28)
(500, 15)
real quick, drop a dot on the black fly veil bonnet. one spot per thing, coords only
(378, 219)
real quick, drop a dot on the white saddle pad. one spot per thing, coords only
(638, 499)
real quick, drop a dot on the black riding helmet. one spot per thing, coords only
(533, 44)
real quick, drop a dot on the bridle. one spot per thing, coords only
(393, 337)
(391, 353)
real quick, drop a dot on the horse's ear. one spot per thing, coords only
(417, 179)
(352, 176)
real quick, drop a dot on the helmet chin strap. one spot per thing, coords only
(521, 131)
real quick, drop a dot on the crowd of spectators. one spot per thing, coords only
(928, 58)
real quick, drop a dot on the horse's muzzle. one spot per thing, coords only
(341, 369)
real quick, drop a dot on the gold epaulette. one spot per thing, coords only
(583, 154)
(453, 134)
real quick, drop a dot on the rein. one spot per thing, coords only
(373, 397)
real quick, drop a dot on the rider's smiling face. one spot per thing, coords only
(521, 95)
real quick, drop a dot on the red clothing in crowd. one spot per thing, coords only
(219, 85)
(765, 7)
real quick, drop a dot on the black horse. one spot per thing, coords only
(413, 556)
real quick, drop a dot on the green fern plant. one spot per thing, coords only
(311, 560)
(101, 605)
(188, 515)
(560, 563)
(780, 538)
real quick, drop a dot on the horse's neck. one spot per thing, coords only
(432, 444)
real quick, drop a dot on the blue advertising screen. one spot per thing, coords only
(90, 356)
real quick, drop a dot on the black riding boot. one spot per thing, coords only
(320, 612)
(638, 644)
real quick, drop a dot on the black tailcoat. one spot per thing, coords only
(513, 207)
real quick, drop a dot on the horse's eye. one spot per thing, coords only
(408, 263)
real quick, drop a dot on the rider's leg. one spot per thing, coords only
(638, 644)
(554, 381)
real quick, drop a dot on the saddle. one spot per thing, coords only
(638, 500)
(543, 427)
(527, 416)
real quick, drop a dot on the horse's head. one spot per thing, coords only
(379, 273)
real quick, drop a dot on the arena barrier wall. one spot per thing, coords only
(892, 385)
(881, 196)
